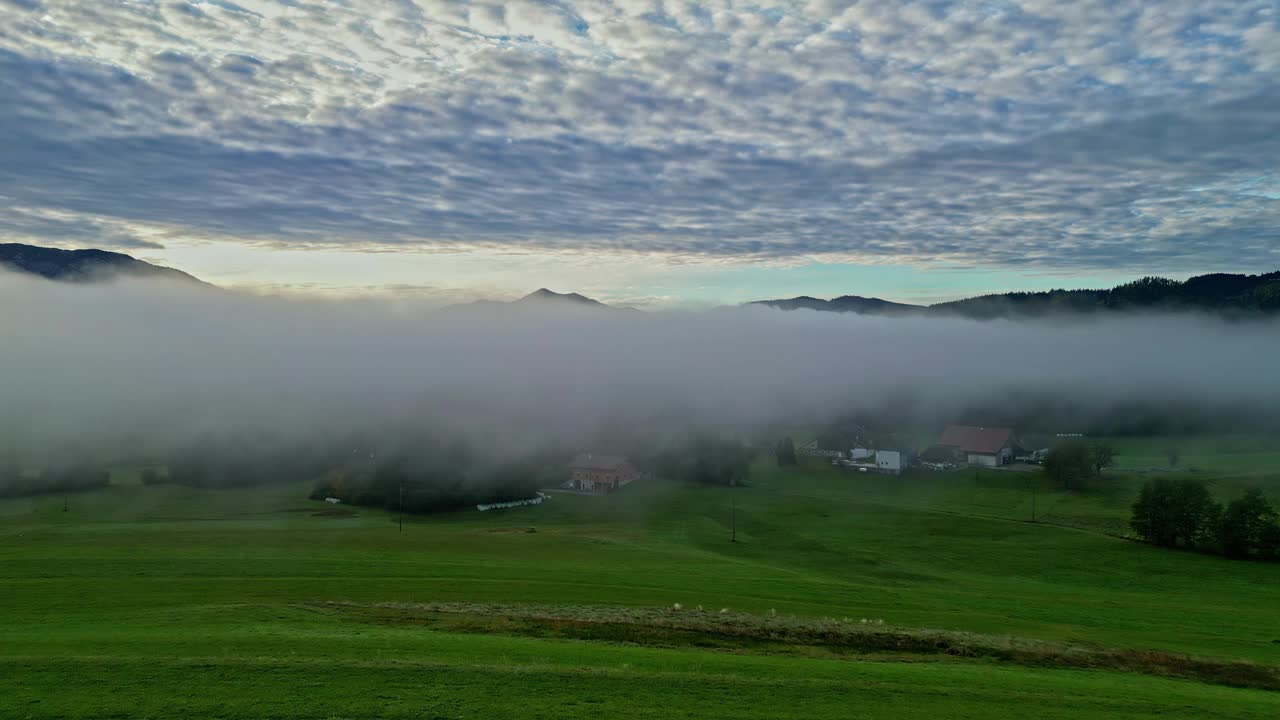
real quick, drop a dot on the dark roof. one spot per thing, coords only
(588, 461)
(985, 440)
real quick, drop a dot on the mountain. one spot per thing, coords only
(80, 265)
(539, 301)
(1219, 292)
(545, 296)
(844, 303)
(1222, 293)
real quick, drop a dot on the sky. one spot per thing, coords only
(648, 153)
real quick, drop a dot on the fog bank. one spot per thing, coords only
(153, 365)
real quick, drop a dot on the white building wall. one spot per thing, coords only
(889, 461)
(984, 460)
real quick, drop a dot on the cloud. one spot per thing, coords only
(63, 228)
(1013, 134)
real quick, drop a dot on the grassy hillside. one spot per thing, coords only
(164, 601)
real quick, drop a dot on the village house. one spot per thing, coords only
(984, 446)
(600, 474)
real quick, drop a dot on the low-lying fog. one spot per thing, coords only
(152, 365)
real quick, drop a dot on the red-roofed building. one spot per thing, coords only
(979, 445)
(601, 474)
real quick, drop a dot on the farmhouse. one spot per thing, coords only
(600, 474)
(979, 445)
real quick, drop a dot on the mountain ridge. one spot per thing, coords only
(1216, 292)
(1225, 293)
(82, 266)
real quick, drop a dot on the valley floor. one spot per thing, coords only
(163, 601)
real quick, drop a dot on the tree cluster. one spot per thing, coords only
(1070, 464)
(431, 475)
(1182, 514)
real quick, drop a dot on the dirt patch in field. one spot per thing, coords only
(739, 632)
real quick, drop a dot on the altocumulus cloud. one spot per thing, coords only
(1082, 135)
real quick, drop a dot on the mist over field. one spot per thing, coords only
(152, 365)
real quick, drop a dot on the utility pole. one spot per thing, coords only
(402, 503)
(1033, 500)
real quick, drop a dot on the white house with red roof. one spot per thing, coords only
(601, 474)
(988, 446)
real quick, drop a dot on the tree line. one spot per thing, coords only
(1182, 514)
(432, 475)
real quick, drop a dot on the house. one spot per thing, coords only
(600, 474)
(979, 445)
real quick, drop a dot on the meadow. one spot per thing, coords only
(844, 596)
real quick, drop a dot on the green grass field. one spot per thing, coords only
(165, 601)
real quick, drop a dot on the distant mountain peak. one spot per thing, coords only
(844, 303)
(538, 302)
(88, 265)
(545, 295)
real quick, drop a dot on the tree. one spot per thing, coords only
(1152, 516)
(1197, 513)
(1247, 526)
(786, 452)
(1101, 456)
(1068, 463)
(1174, 513)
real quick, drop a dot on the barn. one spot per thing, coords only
(600, 474)
(987, 446)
